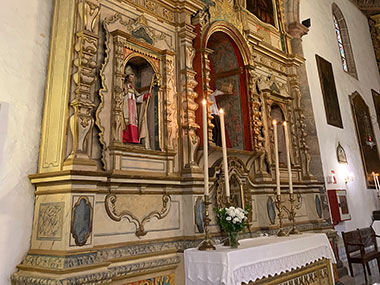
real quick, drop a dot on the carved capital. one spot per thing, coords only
(297, 30)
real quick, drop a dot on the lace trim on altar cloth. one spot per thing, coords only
(279, 265)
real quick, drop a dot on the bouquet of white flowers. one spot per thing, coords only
(232, 219)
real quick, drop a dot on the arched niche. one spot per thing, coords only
(262, 9)
(225, 72)
(278, 115)
(147, 110)
(240, 195)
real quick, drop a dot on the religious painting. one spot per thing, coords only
(229, 85)
(330, 97)
(341, 154)
(263, 9)
(366, 137)
(376, 102)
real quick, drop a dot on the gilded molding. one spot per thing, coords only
(57, 90)
(105, 275)
(225, 10)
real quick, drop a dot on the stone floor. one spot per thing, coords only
(359, 279)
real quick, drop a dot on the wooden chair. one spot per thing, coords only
(361, 247)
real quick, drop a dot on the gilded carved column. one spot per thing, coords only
(188, 95)
(81, 121)
(171, 103)
(207, 90)
(257, 119)
(118, 95)
(256, 114)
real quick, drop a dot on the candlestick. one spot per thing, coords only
(276, 157)
(292, 214)
(207, 243)
(205, 146)
(224, 148)
(280, 215)
(288, 158)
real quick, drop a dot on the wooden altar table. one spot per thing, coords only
(256, 258)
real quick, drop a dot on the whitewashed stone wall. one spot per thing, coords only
(321, 40)
(24, 47)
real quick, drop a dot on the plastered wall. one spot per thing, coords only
(24, 47)
(321, 40)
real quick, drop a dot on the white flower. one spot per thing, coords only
(228, 218)
(230, 211)
(236, 220)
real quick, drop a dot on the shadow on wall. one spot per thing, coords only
(4, 108)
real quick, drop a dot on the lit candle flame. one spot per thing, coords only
(221, 111)
(285, 123)
(274, 122)
(204, 102)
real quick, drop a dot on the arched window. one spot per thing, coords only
(344, 43)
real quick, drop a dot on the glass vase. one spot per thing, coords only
(233, 239)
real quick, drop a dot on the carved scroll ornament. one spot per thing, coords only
(133, 208)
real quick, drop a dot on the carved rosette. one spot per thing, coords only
(84, 76)
(117, 107)
(171, 103)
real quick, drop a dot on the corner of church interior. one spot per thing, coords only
(80, 204)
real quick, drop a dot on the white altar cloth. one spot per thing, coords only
(255, 258)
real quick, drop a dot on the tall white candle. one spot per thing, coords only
(288, 158)
(205, 145)
(276, 157)
(376, 181)
(224, 148)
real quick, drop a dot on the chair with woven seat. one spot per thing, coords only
(361, 247)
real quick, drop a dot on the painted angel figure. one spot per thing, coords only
(135, 129)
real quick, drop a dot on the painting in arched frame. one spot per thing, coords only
(228, 81)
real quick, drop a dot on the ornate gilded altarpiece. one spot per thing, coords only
(108, 210)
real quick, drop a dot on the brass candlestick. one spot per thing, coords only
(207, 243)
(280, 215)
(292, 214)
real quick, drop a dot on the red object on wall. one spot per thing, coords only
(338, 206)
(334, 207)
